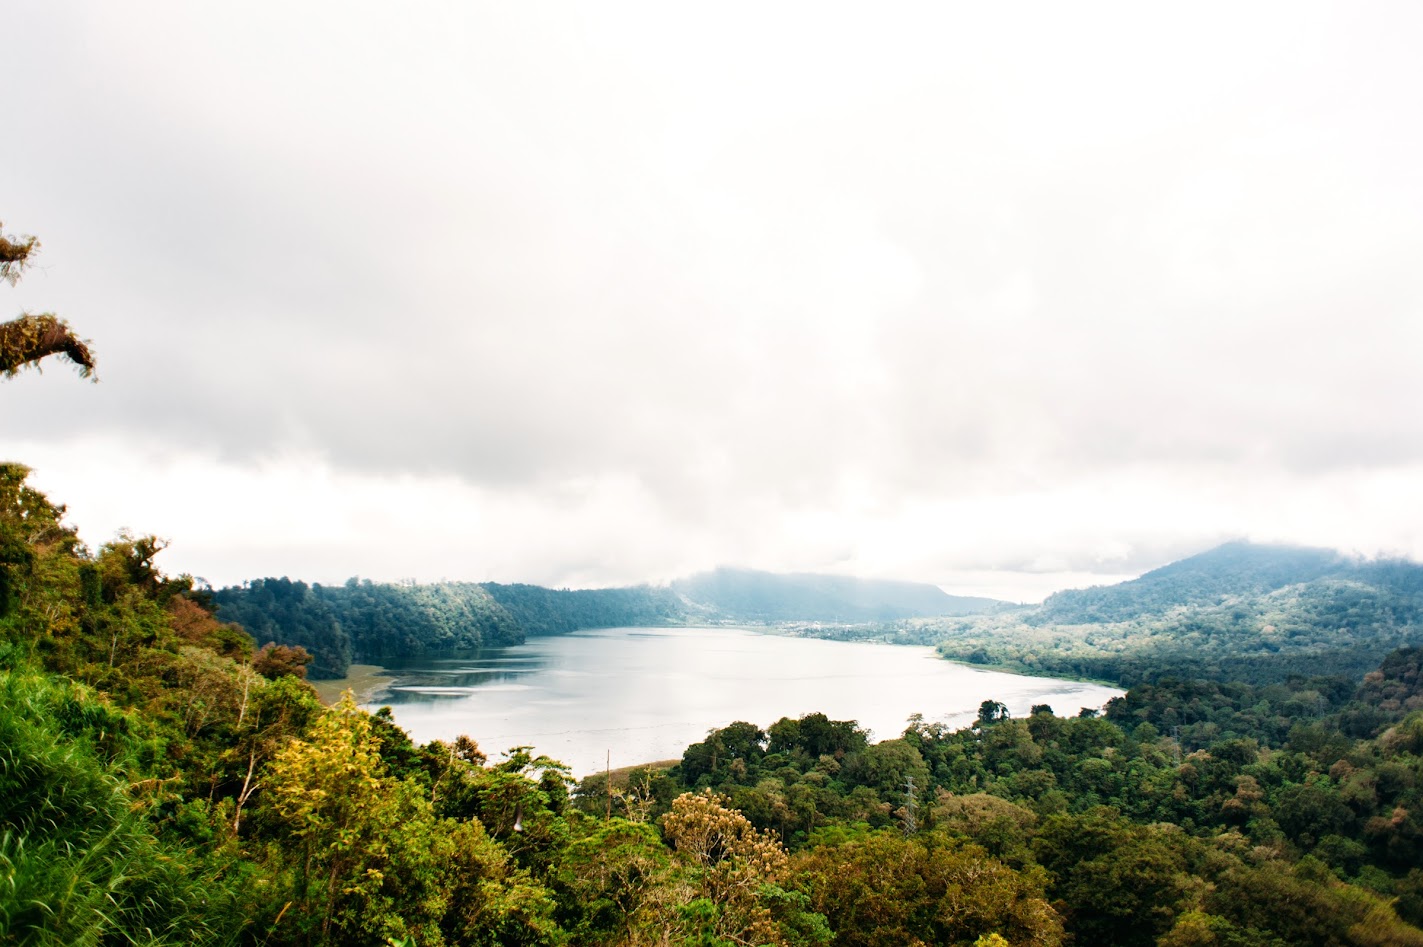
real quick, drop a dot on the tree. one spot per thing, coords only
(887, 890)
(990, 712)
(25, 340)
(733, 876)
(278, 660)
(32, 536)
(616, 880)
(81, 860)
(1118, 883)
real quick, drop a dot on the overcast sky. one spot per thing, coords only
(1004, 297)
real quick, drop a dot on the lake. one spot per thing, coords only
(645, 694)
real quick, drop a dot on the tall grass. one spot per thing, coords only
(80, 862)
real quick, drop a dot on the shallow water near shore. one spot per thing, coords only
(644, 694)
(364, 681)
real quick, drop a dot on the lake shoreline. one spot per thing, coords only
(364, 681)
(1023, 671)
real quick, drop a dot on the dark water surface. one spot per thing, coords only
(646, 693)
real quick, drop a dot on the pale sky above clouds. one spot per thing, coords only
(1004, 297)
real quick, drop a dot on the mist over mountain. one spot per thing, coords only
(751, 595)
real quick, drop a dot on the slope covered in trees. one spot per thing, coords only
(1240, 612)
(1231, 571)
(367, 621)
(541, 611)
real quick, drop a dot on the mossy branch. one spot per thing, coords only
(26, 340)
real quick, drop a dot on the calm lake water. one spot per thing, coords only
(645, 694)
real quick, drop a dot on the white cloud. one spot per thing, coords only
(621, 293)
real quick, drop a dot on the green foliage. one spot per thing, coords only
(611, 880)
(541, 611)
(289, 613)
(81, 861)
(1118, 883)
(885, 889)
(403, 620)
(366, 621)
(363, 854)
(35, 548)
(1211, 578)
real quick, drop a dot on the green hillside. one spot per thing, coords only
(1238, 612)
(541, 611)
(1233, 569)
(366, 621)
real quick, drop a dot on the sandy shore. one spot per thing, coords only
(365, 681)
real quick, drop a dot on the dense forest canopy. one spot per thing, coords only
(367, 621)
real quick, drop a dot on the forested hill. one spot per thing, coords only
(748, 595)
(541, 611)
(1236, 568)
(368, 621)
(1239, 612)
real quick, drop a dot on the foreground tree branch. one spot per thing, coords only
(30, 338)
(26, 340)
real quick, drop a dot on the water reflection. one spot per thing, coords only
(490, 669)
(645, 694)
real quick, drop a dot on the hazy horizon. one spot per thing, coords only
(962, 591)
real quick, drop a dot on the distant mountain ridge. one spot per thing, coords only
(751, 595)
(1212, 577)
